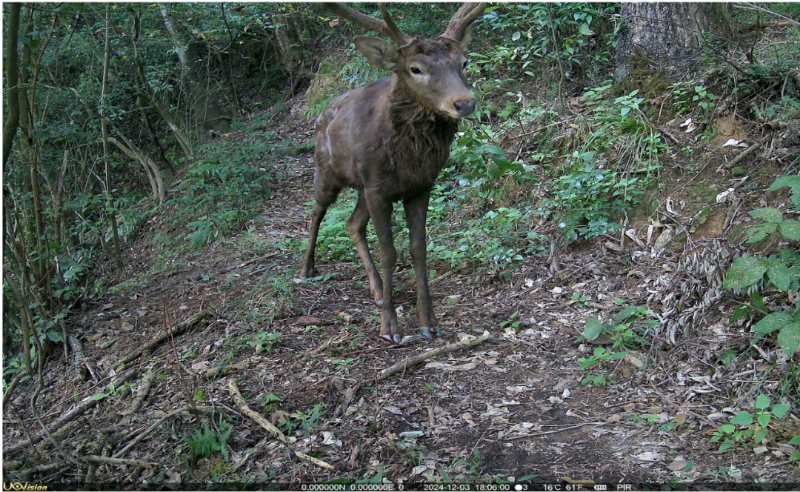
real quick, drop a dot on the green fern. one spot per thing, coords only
(207, 442)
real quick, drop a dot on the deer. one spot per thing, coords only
(389, 140)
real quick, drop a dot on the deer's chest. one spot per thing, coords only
(412, 168)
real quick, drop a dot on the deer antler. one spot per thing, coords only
(465, 16)
(387, 27)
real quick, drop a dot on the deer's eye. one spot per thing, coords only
(415, 71)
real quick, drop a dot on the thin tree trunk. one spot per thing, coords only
(151, 99)
(112, 216)
(12, 65)
(229, 72)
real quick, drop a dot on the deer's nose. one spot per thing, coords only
(465, 108)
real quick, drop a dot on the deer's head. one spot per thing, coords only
(432, 72)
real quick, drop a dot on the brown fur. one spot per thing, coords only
(389, 140)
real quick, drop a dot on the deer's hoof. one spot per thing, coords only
(430, 335)
(396, 338)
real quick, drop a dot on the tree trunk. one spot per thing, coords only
(12, 65)
(668, 35)
(112, 214)
(208, 113)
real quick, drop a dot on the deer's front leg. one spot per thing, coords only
(381, 212)
(416, 214)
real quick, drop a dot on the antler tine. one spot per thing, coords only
(388, 28)
(402, 39)
(465, 16)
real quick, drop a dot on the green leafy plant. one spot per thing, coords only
(686, 94)
(218, 192)
(309, 421)
(795, 441)
(270, 399)
(579, 299)
(745, 426)
(342, 365)
(628, 332)
(264, 341)
(477, 156)
(512, 321)
(565, 38)
(306, 422)
(779, 271)
(589, 198)
(112, 391)
(208, 441)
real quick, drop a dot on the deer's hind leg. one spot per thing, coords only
(325, 194)
(357, 227)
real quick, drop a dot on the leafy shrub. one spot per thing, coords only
(221, 191)
(569, 36)
(780, 271)
(628, 332)
(743, 426)
(589, 199)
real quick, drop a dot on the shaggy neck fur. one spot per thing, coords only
(420, 137)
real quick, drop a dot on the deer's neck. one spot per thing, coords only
(419, 136)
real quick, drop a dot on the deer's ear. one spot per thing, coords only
(380, 53)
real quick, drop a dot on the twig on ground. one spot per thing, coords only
(78, 356)
(218, 372)
(13, 385)
(79, 409)
(253, 260)
(266, 424)
(141, 392)
(556, 431)
(744, 154)
(179, 328)
(245, 409)
(414, 360)
(119, 461)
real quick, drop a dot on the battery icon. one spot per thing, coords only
(600, 487)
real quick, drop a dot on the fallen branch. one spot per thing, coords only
(39, 469)
(119, 461)
(744, 154)
(141, 392)
(80, 408)
(78, 358)
(177, 330)
(316, 461)
(556, 431)
(245, 409)
(13, 385)
(251, 261)
(419, 358)
(266, 424)
(218, 372)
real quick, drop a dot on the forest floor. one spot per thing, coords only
(510, 408)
